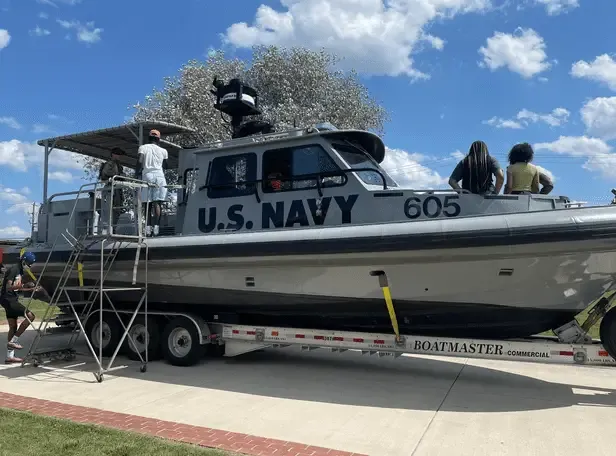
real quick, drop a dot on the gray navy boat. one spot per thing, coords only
(288, 228)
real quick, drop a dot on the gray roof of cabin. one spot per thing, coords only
(99, 143)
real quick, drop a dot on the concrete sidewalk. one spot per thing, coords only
(414, 405)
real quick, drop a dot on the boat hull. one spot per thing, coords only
(484, 292)
(497, 276)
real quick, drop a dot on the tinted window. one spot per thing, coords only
(228, 176)
(358, 159)
(283, 169)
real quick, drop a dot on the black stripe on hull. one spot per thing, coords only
(164, 248)
(427, 318)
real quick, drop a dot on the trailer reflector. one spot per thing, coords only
(299, 336)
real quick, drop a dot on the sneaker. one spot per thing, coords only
(148, 230)
(14, 346)
(156, 229)
(13, 360)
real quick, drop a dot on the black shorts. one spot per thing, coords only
(13, 308)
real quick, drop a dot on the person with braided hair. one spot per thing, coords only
(476, 171)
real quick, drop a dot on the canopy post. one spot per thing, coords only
(46, 171)
(140, 134)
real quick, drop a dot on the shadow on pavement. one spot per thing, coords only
(411, 383)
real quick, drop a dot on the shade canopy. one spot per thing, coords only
(99, 143)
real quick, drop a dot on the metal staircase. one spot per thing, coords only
(71, 315)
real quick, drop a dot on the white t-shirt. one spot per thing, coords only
(153, 156)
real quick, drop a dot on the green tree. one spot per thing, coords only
(296, 86)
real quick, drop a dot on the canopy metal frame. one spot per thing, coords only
(99, 143)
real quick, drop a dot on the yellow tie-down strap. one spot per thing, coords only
(388, 301)
(80, 273)
(390, 309)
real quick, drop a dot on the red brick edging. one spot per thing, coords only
(203, 436)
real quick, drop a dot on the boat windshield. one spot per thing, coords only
(356, 158)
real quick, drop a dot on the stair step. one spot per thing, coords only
(61, 330)
(75, 304)
(52, 351)
(61, 318)
(104, 289)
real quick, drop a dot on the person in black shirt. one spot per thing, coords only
(110, 202)
(9, 299)
(476, 171)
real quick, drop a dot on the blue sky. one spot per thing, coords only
(449, 71)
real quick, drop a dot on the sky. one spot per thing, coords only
(448, 71)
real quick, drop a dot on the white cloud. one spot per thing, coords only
(546, 172)
(86, 33)
(556, 118)
(20, 208)
(599, 116)
(522, 52)
(62, 176)
(458, 155)
(10, 122)
(13, 232)
(17, 201)
(25, 190)
(39, 31)
(11, 195)
(499, 122)
(372, 36)
(602, 70)
(555, 7)
(54, 3)
(43, 15)
(598, 154)
(40, 128)
(405, 168)
(5, 38)
(20, 155)
(12, 154)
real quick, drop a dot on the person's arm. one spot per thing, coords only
(500, 180)
(139, 167)
(456, 176)
(546, 184)
(165, 159)
(534, 187)
(509, 182)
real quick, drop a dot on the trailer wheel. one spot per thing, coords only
(180, 343)
(137, 332)
(607, 332)
(112, 332)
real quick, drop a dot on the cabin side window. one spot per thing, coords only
(232, 175)
(191, 175)
(298, 168)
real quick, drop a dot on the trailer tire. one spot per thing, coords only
(112, 332)
(180, 343)
(607, 332)
(137, 331)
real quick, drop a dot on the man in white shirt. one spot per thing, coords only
(152, 160)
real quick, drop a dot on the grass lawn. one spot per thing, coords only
(37, 307)
(26, 434)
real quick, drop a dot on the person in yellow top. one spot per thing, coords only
(522, 175)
